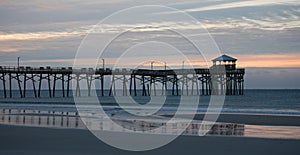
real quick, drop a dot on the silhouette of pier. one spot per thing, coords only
(223, 78)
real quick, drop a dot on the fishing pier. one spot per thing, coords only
(223, 78)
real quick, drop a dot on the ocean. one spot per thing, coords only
(282, 102)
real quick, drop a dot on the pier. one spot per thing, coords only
(223, 78)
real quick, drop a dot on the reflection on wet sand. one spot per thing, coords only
(63, 119)
(71, 119)
(288, 132)
(41, 118)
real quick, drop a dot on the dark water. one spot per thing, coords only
(253, 101)
(265, 101)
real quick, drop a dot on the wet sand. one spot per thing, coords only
(36, 140)
(255, 119)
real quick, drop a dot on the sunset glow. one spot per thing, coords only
(259, 33)
(263, 60)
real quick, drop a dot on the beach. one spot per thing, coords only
(53, 126)
(256, 119)
(268, 138)
(36, 140)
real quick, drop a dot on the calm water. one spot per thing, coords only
(285, 102)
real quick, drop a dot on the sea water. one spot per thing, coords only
(284, 102)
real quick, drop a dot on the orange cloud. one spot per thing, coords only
(9, 49)
(260, 60)
(38, 35)
(269, 60)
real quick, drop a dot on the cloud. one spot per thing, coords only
(39, 35)
(55, 4)
(278, 21)
(249, 3)
(7, 49)
(274, 24)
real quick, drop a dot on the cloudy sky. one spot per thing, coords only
(262, 34)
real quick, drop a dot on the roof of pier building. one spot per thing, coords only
(224, 57)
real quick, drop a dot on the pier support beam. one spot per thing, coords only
(19, 85)
(4, 86)
(10, 85)
(24, 81)
(33, 85)
(49, 85)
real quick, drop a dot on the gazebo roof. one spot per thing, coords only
(224, 57)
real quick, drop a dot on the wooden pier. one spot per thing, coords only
(223, 78)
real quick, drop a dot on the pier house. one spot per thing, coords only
(225, 60)
(232, 81)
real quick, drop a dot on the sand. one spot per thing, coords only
(37, 140)
(258, 119)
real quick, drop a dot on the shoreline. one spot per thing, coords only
(241, 118)
(35, 140)
(254, 119)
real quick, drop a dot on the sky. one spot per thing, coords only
(262, 34)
